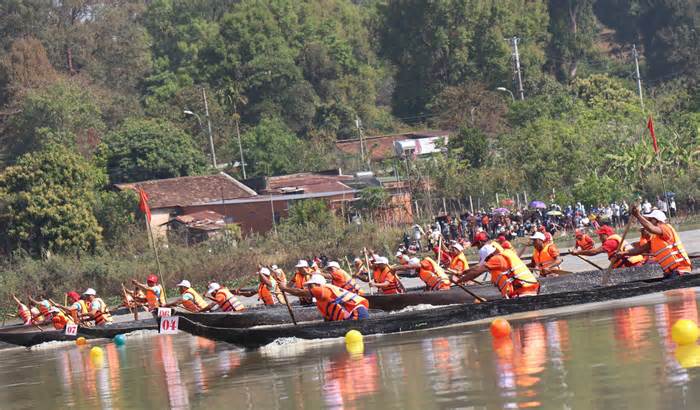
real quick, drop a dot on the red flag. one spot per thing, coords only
(650, 126)
(143, 204)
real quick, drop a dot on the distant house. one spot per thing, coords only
(383, 147)
(197, 227)
(169, 198)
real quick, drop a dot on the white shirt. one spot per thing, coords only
(646, 207)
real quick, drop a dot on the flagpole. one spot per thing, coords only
(152, 240)
(657, 151)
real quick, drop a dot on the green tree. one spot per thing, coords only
(118, 214)
(372, 199)
(470, 145)
(143, 149)
(313, 212)
(573, 26)
(270, 148)
(48, 198)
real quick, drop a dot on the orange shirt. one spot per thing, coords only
(546, 256)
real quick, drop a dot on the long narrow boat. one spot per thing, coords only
(32, 335)
(273, 315)
(435, 317)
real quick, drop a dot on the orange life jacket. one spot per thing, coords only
(671, 255)
(230, 303)
(82, 310)
(385, 275)
(642, 242)
(618, 262)
(585, 243)
(102, 315)
(515, 281)
(543, 258)
(60, 320)
(341, 306)
(154, 300)
(265, 294)
(435, 277)
(299, 281)
(24, 313)
(459, 263)
(198, 303)
(44, 310)
(343, 280)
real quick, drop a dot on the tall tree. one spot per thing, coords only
(573, 26)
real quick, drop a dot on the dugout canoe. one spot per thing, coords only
(432, 318)
(31, 335)
(577, 281)
(272, 315)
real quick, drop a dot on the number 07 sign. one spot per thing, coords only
(169, 325)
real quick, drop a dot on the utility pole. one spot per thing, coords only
(211, 139)
(358, 124)
(639, 77)
(516, 57)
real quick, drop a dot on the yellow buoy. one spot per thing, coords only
(353, 336)
(97, 356)
(688, 355)
(80, 341)
(685, 332)
(355, 348)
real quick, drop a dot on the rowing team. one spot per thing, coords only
(338, 296)
(86, 310)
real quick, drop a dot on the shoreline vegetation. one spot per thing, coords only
(94, 94)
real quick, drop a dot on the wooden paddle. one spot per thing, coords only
(369, 274)
(464, 288)
(589, 262)
(289, 308)
(606, 273)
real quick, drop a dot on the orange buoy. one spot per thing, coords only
(80, 341)
(500, 328)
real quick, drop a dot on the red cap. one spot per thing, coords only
(73, 295)
(152, 278)
(480, 237)
(501, 239)
(605, 230)
(547, 237)
(542, 228)
(579, 233)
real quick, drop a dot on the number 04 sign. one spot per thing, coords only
(169, 325)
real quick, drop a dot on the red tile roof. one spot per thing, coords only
(382, 146)
(192, 190)
(203, 220)
(306, 182)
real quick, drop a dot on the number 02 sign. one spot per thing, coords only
(169, 325)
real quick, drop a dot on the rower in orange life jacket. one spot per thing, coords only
(342, 279)
(278, 274)
(268, 290)
(383, 278)
(99, 311)
(545, 255)
(664, 246)
(334, 303)
(301, 275)
(154, 293)
(223, 298)
(644, 239)
(458, 262)
(610, 243)
(23, 312)
(508, 272)
(189, 298)
(44, 307)
(433, 275)
(583, 241)
(77, 307)
(505, 243)
(59, 319)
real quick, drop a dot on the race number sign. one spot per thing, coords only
(71, 329)
(164, 312)
(169, 325)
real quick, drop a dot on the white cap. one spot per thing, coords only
(90, 291)
(302, 264)
(656, 214)
(538, 235)
(333, 264)
(265, 271)
(274, 267)
(458, 247)
(316, 279)
(54, 309)
(357, 260)
(399, 254)
(213, 287)
(184, 284)
(381, 260)
(485, 252)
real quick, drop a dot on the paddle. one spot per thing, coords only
(128, 304)
(555, 270)
(289, 308)
(464, 288)
(439, 256)
(606, 274)
(369, 274)
(588, 261)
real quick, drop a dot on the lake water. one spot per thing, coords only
(615, 356)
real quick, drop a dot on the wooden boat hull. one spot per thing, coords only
(564, 283)
(273, 315)
(432, 318)
(31, 335)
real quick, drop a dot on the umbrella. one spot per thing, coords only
(507, 202)
(538, 205)
(554, 213)
(502, 211)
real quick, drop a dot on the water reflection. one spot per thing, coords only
(621, 358)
